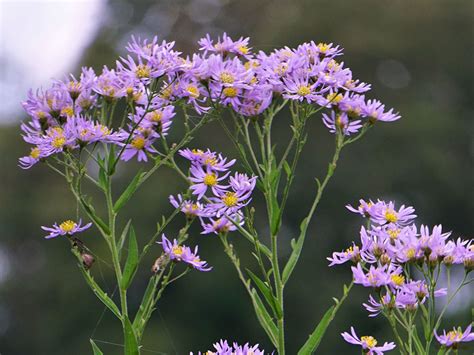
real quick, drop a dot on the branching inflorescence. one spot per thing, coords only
(402, 264)
(127, 112)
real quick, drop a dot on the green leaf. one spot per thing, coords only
(111, 163)
(287, 168)
(267, 293)
(129, 191)
(132, 261)
(100, 293)
(122, 239)
(147, 298)
(315, 338)
(95, 348)
(275, 216)
(295, 254)
(264, 318)
(91, 213)
(131, 344)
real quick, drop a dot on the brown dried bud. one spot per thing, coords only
(158, 264)
(87, 260)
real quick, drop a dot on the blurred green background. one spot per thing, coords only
(417, 54)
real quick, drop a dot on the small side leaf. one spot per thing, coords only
(315, 338)
(95, 348)
(295, 254)
(129, 191)
(132, 261)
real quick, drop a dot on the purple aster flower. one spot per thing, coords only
(31, 159)
(222, 225)
(352, 253)
(204, 179)
(139, 145)
(68, 227)
(389, 214)
(366, 209)
(367, 342)
(188, 207)
(300, 89)
(207, 158)
(452, 338)
(374, 308)
(375, 277)
(341, 121)
(178, 252)
(374, 110)
(229, 202)
(223, 348)
(225, 45)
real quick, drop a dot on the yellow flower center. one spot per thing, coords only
(281, 68)
(410, 253)
(67, 111)
(156, 116)
(333, 65)
(198, 152)
(210, 161)
(243, 49)
(391, 216)
(58, 142)
(230, 92)
(398, 279)
(349, 250)
(334, 97)
(35, 153)
(304, 90)
(166, 92)
(393, 233)
(230, 199)
(142, 71)
(323, 47)
(454, 335)
(138, 143)
(369, 340)
(178, 250)
(67, 226)
(227, 78)
(210, 179)
(339, 122)
(193, 91)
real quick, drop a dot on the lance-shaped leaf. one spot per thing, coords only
(129, 191)
(122, 238)
(267, 293)
(132, 261)
(264, 318)
(100, 293)
(295, 254)
(315, 338)
(95, 348)
(131, 344)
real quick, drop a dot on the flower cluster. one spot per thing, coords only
(177, 252)
(223, 348)
(367, 342)
(219, 196)
(452, 338)
(153, 77)
(393, 252)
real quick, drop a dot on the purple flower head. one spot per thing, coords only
(28, 161)
(341, 121)
(204, 179)
(375, 277)
(222, 225)
(366, 209)
(207, 158)
(68, 227)
(352, 253)
(188, 207)
(178, 252)
(374, 308)
(225, 45)
(452, 338)
(228, 202)
(367, 342)
(389, 214)
(140, 144)
(374, 110)
(223, 348)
